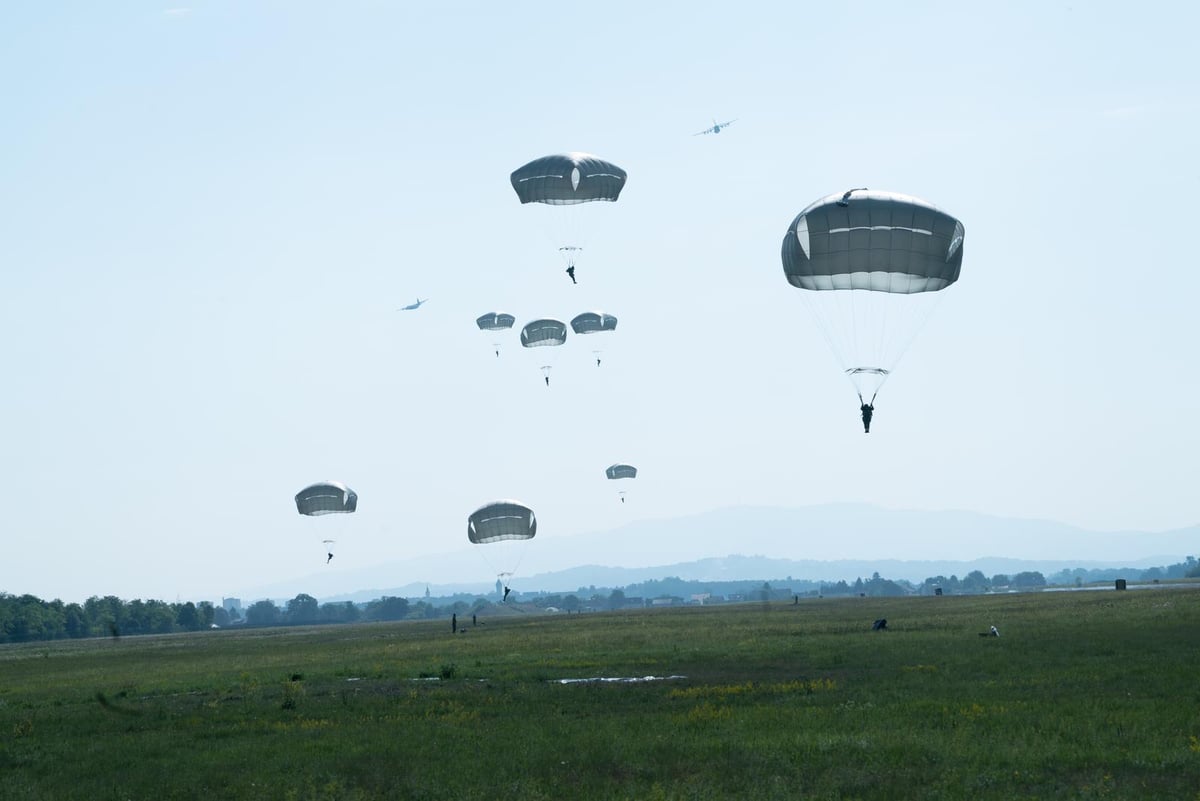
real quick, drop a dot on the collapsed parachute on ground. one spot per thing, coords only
(621, 471)
(593, 322)
(871, 264)
(543, 333)
(501, 520)
(325, 498)
(568, 179)
(495, 321)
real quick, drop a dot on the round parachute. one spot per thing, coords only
(326, 498)
(495, 321)
(568, 179)
(501, 520)
(506, 527)
(871, 263)
(593, 322)
(621, 471)
(564, 185)
(543, 333)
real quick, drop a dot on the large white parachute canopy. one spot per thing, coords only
(501, 520)
(326, 498)
(563, 185)
(872, 264)
(495, 321)
(543, 333)
(568, 179)
(593, 322)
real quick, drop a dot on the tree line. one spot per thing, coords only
(27, 618)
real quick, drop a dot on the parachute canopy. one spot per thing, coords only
(591, 322)
(874, 262)
(567, 179)
(621, 471)
(495, 321)
(501, 520)
(878, 241)
(541, 333)
(326, 498)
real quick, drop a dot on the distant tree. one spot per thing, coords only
(1029, 579)
(344, 612)
(74, 621)
(186, 616)
(571, 603)
(1153, 574)
(152, 617)
(263, 613)
(389, 608)
(221, 616)
(480, 604)
(616, 599)
(1001, 580)
(423, 610)
(975, 581)
(302, 609)
(24, 619)
(879, 587)
(205, 611)
(104, 615)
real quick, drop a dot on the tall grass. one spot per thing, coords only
(1085, 695)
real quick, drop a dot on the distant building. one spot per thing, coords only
(233, 606)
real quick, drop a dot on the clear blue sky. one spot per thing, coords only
(210, 213)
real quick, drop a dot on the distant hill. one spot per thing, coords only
(734, 568)
(828, 542)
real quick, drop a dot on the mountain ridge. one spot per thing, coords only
(828, 542)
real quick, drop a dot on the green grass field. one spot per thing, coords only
(1085, 695)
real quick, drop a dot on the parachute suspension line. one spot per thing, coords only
(520, 554)
(824, 326)
(929, 302)
(854, 326)
(881, 339)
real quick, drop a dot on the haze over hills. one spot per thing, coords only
(828, 542)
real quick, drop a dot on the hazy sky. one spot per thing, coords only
(210, 214)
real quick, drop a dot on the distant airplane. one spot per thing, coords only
(716, 127)
(412, 306)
